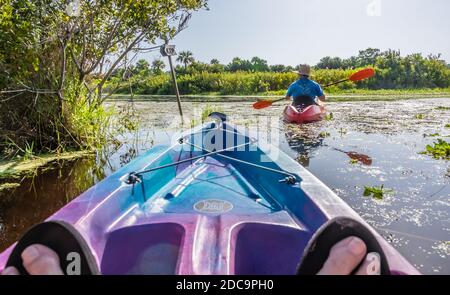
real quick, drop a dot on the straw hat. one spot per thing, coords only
(304, 70)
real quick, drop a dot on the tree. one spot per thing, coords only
(238, 64)
(49, 57)
(142, 67)
(214, 61)
(216, 67)
(278, 68)
(158, 66)
(186, 58)
(330, 63)
(368, 56)
(259, 65)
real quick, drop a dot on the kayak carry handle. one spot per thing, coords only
(222, 117)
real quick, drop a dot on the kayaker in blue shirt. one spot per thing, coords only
(344, 257)
(304, 91)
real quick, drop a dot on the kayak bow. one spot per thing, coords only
(216, 202)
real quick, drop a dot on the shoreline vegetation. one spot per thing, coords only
(358, 95)
(13, 171)
(395, 74)
(55, 61)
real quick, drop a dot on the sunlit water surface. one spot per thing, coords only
(414, 217)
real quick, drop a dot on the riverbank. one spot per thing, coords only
(13, 171)
(342, 96)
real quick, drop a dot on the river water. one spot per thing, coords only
(364, 144)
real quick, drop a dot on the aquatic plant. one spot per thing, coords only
(342, 131)
(440, 150)
(9, 186)
(25, 153)
(441, 108)
(329, 117)
(324, 134)
(208, 109)
(376, 192)
(431, 135)
(420, 116)
(205, 112)
(354, 161)
(447, 126)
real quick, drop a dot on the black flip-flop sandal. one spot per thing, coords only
(62, 238)
(331, 233)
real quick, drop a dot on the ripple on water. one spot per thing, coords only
(413, 219)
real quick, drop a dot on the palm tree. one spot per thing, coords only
(158, 66)
(186, 58)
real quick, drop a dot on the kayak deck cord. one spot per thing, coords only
(137, 177)
(290, 179)
(140, 173)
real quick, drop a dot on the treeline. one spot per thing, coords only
(256, 76)
(224, 83)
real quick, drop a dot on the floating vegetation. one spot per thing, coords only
(354, 161)
(440, 150)
(420, 116)
(343, 131)
(20, 167)
(204, 114)
(432, 135)
(441, 108)
(8, 186)
(329, 117)
(447, 126)
(208, 109)
(324, 134)
(376, 192)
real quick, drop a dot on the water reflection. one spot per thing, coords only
(39, 197)
(361, 158)
(304, 141)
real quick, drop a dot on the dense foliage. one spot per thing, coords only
(55, 59)
(256, 76)
(222, 83)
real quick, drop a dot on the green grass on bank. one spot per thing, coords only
(387, 92)
(336, 96)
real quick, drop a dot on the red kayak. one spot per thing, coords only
(308, 114)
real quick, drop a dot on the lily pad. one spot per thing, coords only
(376, 192)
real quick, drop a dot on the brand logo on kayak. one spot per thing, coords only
(213, 206)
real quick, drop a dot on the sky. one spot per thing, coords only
(291, 32)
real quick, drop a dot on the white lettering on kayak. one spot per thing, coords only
(213, 206)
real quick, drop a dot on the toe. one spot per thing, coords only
(41, 260)
(10, 271)
(344, 257)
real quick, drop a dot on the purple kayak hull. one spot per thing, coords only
(211, 215)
